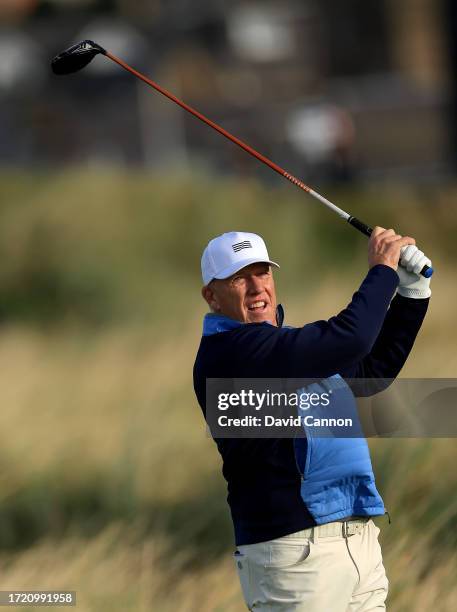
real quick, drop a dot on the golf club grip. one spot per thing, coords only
(426, 271)
(362, 227)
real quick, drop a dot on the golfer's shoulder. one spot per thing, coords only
(248, 340)
(261, 332)
(247, 333)
(241, 338)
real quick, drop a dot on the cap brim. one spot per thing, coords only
(239, 265)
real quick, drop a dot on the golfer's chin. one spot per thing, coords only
(266, 314)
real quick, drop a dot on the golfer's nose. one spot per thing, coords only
(255, 285)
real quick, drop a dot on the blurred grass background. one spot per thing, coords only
(110, 486)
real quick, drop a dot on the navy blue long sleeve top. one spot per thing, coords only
(370, 338)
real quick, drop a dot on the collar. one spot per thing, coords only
(214, 323)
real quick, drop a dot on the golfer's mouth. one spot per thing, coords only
(258, 307)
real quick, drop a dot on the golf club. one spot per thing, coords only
(78, 56)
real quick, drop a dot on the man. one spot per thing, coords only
(304, 537)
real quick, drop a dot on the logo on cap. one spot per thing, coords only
(241, 245)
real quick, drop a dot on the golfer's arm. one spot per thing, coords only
(394, 342)
(326, 347)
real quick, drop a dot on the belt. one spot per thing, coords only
(344, 528)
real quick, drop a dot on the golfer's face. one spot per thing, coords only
(248, 296)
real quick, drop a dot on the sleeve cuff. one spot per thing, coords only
(415, 294)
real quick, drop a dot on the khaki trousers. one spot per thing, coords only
(336, 567)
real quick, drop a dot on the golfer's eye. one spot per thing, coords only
(237, 281)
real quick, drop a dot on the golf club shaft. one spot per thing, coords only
(237, 141)
(359, 225)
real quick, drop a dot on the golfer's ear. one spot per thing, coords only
(210, 297)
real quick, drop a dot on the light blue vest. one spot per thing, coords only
(337, 476)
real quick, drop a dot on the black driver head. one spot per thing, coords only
(76, 57)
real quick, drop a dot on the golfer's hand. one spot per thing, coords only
(412, 284)
(384, 247)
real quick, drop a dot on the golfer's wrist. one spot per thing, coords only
(383, 262)
(385, 269)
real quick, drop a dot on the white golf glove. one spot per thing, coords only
(412, 284)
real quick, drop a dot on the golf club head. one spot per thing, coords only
(76, 57)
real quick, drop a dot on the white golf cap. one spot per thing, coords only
(228, 253)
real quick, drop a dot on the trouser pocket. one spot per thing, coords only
(282, 554)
